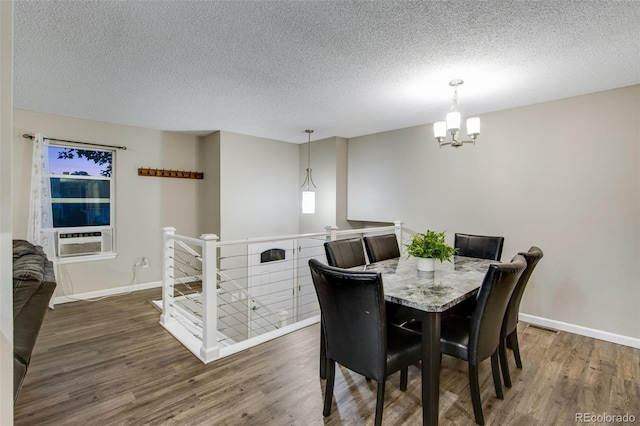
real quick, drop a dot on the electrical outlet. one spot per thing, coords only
(145, 262)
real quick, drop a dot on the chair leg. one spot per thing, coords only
(504, 362)
(328, 392)
(495, 371)
(513, 338)
(404, 376)
(323, 354)
(474, 386)
(379, 403)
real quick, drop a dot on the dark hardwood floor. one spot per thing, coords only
(111, 363)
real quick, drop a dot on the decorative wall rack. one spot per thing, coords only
(170, 173)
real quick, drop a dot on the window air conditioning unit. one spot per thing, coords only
(83, 241)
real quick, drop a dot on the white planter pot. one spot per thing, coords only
(426, 264)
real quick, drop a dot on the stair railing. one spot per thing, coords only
(197, 327)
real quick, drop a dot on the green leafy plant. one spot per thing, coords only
(430, 245)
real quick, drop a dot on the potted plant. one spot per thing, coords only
(428, 247)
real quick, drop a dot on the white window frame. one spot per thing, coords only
(110, 229)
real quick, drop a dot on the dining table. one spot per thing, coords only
(429, 295)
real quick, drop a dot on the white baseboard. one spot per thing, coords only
(105, 293)
(583, 331)
(532, 319)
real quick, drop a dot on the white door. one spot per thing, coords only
(271, 285)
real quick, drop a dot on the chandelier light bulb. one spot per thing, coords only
(440, 129)
(473, 126)
(453, 121)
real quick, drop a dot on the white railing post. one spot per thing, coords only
(283, 318)
(167, 268)
(331, 232)
(398, 226)
(296, 277)
(210, 348)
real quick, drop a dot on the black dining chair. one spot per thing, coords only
(356, 331)
(345, 253)
(381, 247)
(480, 246)
(509, 333)
(340, 254)
(477, 338)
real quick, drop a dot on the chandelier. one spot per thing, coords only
(308, 196)
(452, 124)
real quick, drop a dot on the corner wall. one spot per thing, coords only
(258, 181)
(209, 163)
(563, 175)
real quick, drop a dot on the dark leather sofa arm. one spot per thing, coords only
(33, 286)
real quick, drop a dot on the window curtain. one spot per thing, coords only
(40, 230)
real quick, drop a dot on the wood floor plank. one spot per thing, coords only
(110, 363)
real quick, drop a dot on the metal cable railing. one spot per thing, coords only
(260, 287)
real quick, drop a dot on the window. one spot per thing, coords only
(80, 186)
(82, 202)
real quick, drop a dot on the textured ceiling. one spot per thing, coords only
(343, 68)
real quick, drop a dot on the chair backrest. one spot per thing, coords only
(353, 318)
(480, 246)
(533, 256)
(345, 253)
(381, 247)
(492, 300)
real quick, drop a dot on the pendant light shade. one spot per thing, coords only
(453, 121)
(473, 126)
(308, 202)
(440, 129)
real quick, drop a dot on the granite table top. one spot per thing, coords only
(436, 291)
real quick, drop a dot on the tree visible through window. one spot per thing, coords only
(81, 186)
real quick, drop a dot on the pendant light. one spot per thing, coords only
(308, 195)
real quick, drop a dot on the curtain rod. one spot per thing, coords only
(28, 136)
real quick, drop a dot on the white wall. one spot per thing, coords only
(563, 175)
(6, 270)
(341, 184)
(258, 187)
(209, 163)
(143, 204)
